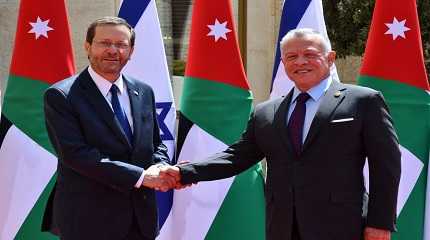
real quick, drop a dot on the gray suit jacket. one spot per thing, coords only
(325, 183)
(94, 197)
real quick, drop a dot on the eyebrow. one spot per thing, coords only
(305, 50)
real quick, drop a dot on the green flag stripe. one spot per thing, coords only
(396, 91)
(226, 123)
(411, 220)
(246, 191)
(410, 109)
(23, 106)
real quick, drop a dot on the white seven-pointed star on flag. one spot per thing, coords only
(397, 28)
(40, 28)
(218, 30)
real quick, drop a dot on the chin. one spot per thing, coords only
(111, 70)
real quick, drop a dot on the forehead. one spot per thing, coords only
(117, 32)
(309, 43)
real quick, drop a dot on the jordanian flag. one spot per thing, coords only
(394, 64)
(215, 106)
(42, 55)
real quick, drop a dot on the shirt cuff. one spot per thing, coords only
(140, 181)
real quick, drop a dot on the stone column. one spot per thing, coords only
(181, 26)
(8, 18)
(164, 9)
(261, 41)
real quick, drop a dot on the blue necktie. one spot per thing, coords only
(120, 114)
(297, 119)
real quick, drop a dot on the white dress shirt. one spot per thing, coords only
(312, 104)
(104, 87)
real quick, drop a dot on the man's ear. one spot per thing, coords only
(87, 46)
(131, 52)
(331, 57)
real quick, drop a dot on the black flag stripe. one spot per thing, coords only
(184, 127)
(5, 125)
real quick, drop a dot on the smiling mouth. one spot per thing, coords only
(302, 71)
(111, 60)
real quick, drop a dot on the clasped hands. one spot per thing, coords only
(163, 178)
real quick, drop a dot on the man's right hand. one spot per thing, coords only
(163, 178)
(156, 178)
(174, 172)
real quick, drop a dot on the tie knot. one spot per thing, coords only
(302, 98)
(114, 89)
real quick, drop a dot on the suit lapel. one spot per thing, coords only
(137, 106)
(280, 120)
(101, 107)
(331, 99)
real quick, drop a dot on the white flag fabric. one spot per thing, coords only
(148, 63)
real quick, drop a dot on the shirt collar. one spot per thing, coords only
(315, 92)
(104, 85)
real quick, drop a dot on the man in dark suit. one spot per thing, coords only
(103, 127)
(316, 141)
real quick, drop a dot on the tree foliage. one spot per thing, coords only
(348, 23)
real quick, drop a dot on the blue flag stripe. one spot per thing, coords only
(292, 13)
(151, 42)
(132, 10)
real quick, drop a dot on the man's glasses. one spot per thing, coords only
(107, 44)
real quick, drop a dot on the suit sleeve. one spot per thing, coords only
(235, 159)
(383, 154)
(73, 152)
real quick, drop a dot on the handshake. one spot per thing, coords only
(163, 178)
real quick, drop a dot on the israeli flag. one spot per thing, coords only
(148, 63)
(296, 14)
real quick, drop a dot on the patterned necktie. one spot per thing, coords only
(297, 119)
(120, 114)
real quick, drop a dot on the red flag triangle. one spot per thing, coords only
(394, 50)
(214, 51)
(43, 49)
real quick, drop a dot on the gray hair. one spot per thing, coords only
(304, 33)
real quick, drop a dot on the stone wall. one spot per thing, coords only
(8, 17)
(348, 69)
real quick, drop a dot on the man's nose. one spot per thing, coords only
(112, 49)
(301, 59)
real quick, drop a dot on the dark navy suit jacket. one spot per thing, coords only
(324, 185)
(95, 197)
